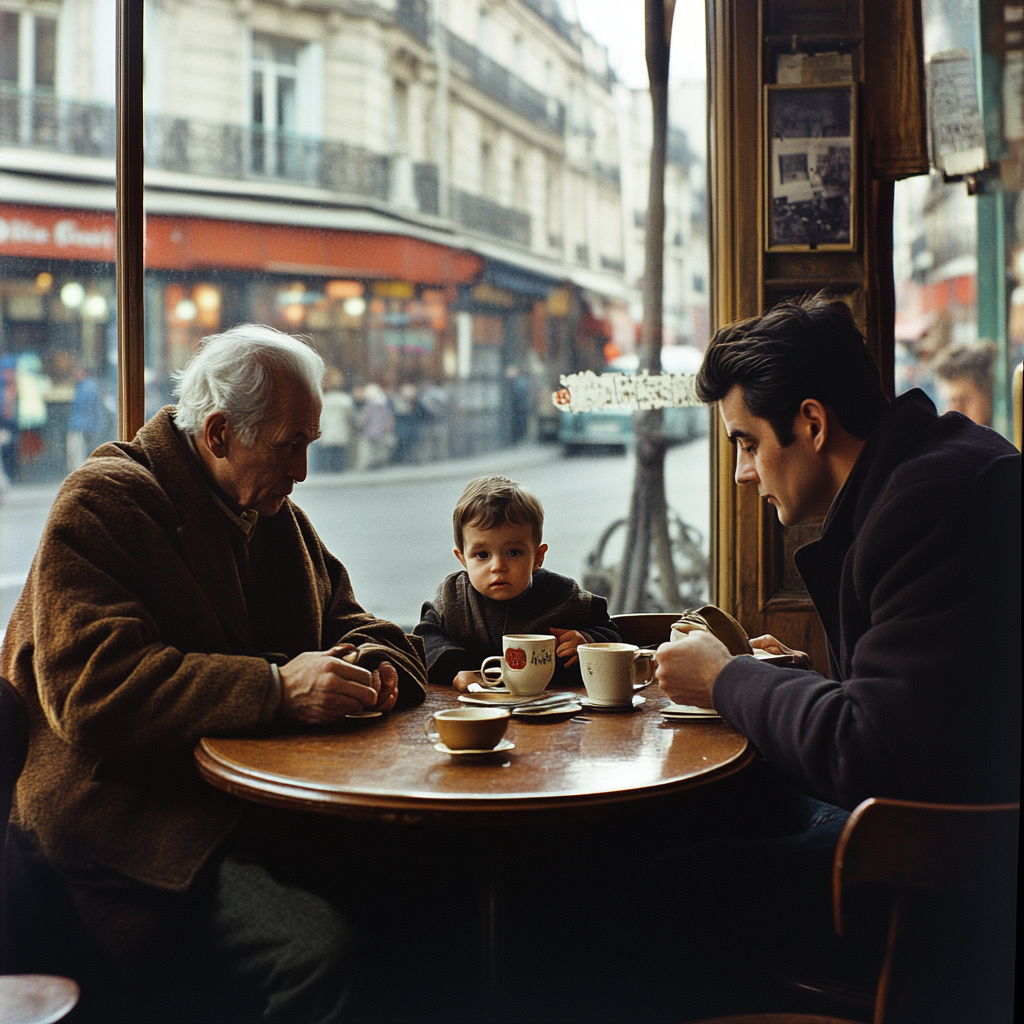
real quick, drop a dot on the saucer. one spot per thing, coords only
(635, 703)
(506, 700)
(569, 708)
(499, 749)
(683, 712)
(481, 688)
(366, 714)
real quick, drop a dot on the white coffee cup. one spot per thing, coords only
(526, 664)
(467, 728)
(610, 672)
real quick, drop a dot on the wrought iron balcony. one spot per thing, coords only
(246, 153)
(507, 88)
(490, 218)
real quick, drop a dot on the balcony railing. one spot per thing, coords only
(507, 88)
(481, 214)
(245, 153)
(40, 121)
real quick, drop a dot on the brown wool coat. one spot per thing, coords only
(131, 640)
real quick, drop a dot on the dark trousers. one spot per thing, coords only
(243, 944)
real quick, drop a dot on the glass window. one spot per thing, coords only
(58, 334)
(958, 238)
(450, 255)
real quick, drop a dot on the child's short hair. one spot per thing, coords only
(490, 501)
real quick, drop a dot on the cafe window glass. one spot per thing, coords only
(303, 171)
(58, 335)
(958, 256)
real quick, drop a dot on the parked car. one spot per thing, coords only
(611, 429)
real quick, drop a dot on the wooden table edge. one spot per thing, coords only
(292, 796)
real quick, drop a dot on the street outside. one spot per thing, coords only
(392, 528)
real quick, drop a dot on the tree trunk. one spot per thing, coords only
(648, 512)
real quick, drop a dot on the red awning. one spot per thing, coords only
(195, 243)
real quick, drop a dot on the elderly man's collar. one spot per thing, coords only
(244, 518)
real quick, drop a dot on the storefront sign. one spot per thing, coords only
(42, 232)
(588, 391)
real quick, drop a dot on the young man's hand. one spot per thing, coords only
(566, 642)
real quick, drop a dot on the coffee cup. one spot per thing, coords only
(525, 666)
(612, 673)
(467, 728)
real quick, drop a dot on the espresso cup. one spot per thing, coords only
(526, 664)
(612, 673)
(467, 728)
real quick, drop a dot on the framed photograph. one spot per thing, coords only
(811, 167)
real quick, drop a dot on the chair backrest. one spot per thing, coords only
(952, 869)
(645, 629)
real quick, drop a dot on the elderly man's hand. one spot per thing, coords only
(688, 668)
(319, 687)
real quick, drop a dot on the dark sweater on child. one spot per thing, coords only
(462, 627)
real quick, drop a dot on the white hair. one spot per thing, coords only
(234, 373)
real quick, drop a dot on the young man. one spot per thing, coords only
(502, 589)
(916, 576)
(916, 579)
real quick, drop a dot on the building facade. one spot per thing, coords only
(433, 193)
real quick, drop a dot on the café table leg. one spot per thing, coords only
(492, 922)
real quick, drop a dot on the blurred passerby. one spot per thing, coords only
(407, 423)
(9, 416)
(376, 428)
(519, 393)
(335, 424)
(965, 375)
(433, 407)
(87, 424)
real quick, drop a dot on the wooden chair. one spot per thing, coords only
(24, 998)
(952, 872)
(645, 629)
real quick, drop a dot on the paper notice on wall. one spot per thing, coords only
(589, 391)
(958, 134)
(813, 68)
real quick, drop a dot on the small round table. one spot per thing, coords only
(385, 769)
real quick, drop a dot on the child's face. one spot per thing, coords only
(500, 562)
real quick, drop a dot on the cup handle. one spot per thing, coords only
(433, 736)
(485, 679)
(647, 656)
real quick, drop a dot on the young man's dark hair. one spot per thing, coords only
(809, 348)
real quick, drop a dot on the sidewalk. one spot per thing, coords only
(504, 460)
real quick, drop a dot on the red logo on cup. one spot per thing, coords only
(515, 657)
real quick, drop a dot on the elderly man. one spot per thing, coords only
(916, 579)
(178, 592)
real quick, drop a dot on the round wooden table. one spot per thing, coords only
(386, 769)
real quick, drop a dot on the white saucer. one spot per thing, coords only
(480, 688)
(366, 714)
(500, 748)
(684, 712)
(635, 703)
(504, 700)
(528, 711)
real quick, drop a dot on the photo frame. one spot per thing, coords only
(810, 134)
